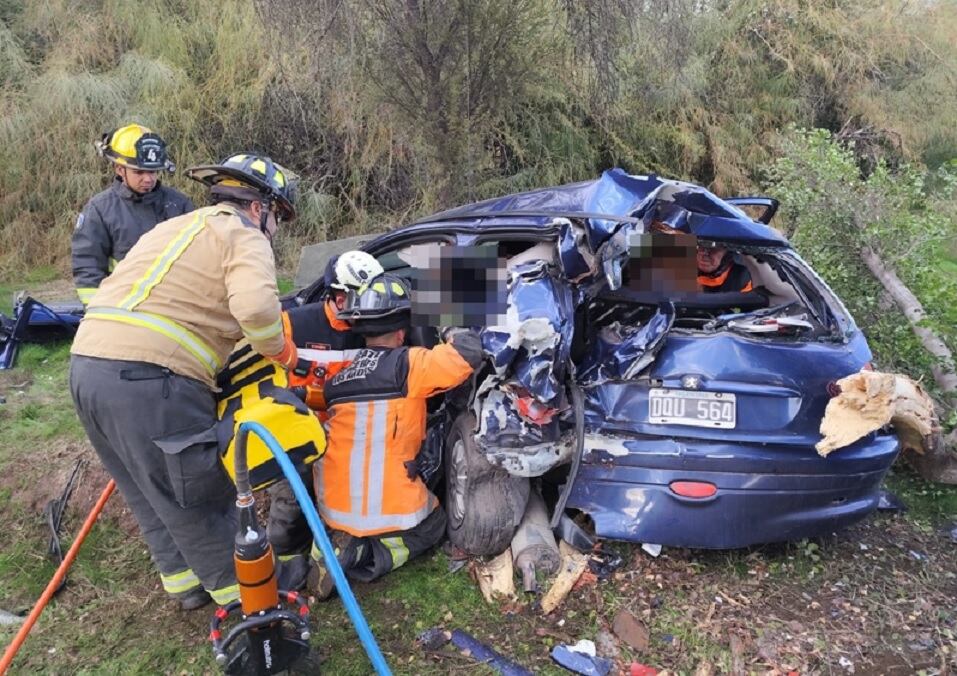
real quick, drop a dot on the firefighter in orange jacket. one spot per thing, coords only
(327, 344)
(368, 490)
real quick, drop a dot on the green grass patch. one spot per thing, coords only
(927, 503)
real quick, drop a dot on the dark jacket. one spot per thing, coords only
(111, 223)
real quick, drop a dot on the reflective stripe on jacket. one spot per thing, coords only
(253, 388)
(327, 345)
(111, 223)
(185, 293)
(378, 410)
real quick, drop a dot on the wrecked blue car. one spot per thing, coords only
(640, 403)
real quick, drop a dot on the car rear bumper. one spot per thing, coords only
(764, 493)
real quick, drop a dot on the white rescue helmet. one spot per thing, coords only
(354, 269)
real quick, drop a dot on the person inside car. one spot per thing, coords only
(718, 269)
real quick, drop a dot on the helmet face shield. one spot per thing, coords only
(385, 296)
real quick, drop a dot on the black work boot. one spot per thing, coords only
(195, 599)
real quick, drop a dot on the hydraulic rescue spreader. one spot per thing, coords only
(270, 637)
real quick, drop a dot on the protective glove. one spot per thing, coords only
(288, 357)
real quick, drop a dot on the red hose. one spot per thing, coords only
(47, 594)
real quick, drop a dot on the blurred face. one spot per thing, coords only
(137, 180)
(709, 259)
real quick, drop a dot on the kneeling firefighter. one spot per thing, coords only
(255, 389)
(327, 345)
(145, 360)
(369, 492)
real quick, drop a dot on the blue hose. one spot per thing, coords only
(325, 546)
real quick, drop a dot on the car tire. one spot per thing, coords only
(484, 503)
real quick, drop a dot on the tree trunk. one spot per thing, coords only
(943, 369)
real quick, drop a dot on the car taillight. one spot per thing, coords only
(693, 489)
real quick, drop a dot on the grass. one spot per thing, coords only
(113, 618)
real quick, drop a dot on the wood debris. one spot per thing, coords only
(572, 566)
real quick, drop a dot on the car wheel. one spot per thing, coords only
(484, 504)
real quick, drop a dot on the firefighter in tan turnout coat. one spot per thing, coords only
(145, 360)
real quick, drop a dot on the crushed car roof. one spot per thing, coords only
(615, 194)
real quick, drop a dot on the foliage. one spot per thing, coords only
(831, 211)
(391, 109)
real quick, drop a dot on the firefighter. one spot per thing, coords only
(328, 344)
(113, 220)
(145, 359)
(368, 490)
(718, 268)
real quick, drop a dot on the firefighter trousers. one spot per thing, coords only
(368, 558)
(154, 431)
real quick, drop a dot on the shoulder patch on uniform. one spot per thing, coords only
(79, 221)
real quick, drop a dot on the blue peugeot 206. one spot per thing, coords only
(659, 362)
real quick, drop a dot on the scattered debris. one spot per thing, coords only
(9, 619)
(953, 533)
(604, 562)
(435, 638)
(581, 659)
(534, 547)
(638, 669)
(631, 630)
(846, 663)
(607, 645)
(496, 578)
(917, 556)
(651, 550)
(53, 511)
(888, 502)
(572, 566)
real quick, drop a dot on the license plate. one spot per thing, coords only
(686, 407)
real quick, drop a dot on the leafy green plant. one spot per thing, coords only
(831, 211)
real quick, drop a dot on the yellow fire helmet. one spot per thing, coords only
(135, 146)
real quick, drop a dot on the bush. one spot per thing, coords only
(831, 211)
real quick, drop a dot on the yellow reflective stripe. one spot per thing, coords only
(398, 550)
(86, 294)
(289, 557)
(224, 595)
(180, 582)
(112, 264)
(178, 334)
(264, 333)
(157, 271)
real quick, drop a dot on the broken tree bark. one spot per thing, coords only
(869, 401)
(943, 370)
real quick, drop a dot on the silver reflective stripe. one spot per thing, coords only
(377, 461)
(357, 464)
(327, 356)
(388, 522)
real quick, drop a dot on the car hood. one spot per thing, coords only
(617, 193)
